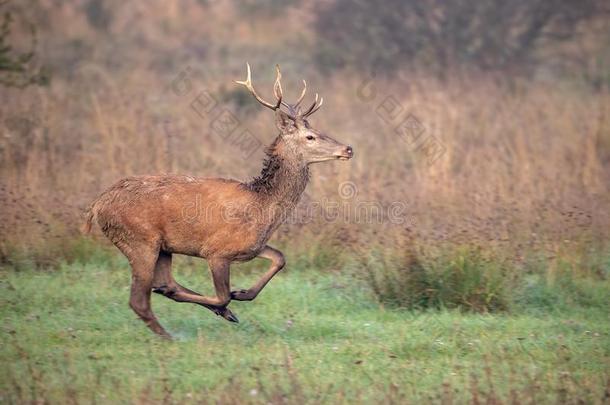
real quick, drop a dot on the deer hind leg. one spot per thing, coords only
(142, 263)
(164, 282)
(277, 264)
(165, 285)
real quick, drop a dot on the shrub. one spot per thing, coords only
(563, 292)
(462, 278)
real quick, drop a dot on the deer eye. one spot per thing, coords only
(310, 137)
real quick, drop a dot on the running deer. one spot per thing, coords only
(149, 218)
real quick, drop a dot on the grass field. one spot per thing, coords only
(310, 337)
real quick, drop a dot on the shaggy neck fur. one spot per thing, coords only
(283, 178)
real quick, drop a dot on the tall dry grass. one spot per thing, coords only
(525, 169)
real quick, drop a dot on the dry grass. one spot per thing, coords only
(525, 170)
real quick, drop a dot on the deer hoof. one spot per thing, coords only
(229, 316)
(232, 318)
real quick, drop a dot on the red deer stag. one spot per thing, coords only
(145, 216)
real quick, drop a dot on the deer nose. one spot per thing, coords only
(349, 151)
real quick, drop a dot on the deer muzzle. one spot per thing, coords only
(346, 154)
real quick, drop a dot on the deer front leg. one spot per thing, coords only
(277, 264)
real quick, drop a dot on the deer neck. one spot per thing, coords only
(283, 178)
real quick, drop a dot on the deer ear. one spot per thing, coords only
(283, 121)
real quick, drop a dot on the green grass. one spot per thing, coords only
(310, 337)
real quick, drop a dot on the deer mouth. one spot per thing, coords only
(343, 157)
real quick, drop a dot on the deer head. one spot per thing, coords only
(297, 137)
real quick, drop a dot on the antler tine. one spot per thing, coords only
(277, 88)
(314, 107)
(294, 109)
(317, 108)
(311, 107)
(302, 94)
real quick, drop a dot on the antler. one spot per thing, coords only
(314, 107)
(293, 109)
(302, 94)
(277, 88)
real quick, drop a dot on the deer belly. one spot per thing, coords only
(242, 246)
(224, 243)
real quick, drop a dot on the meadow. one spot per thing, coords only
(313, 336)
(461, 256)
